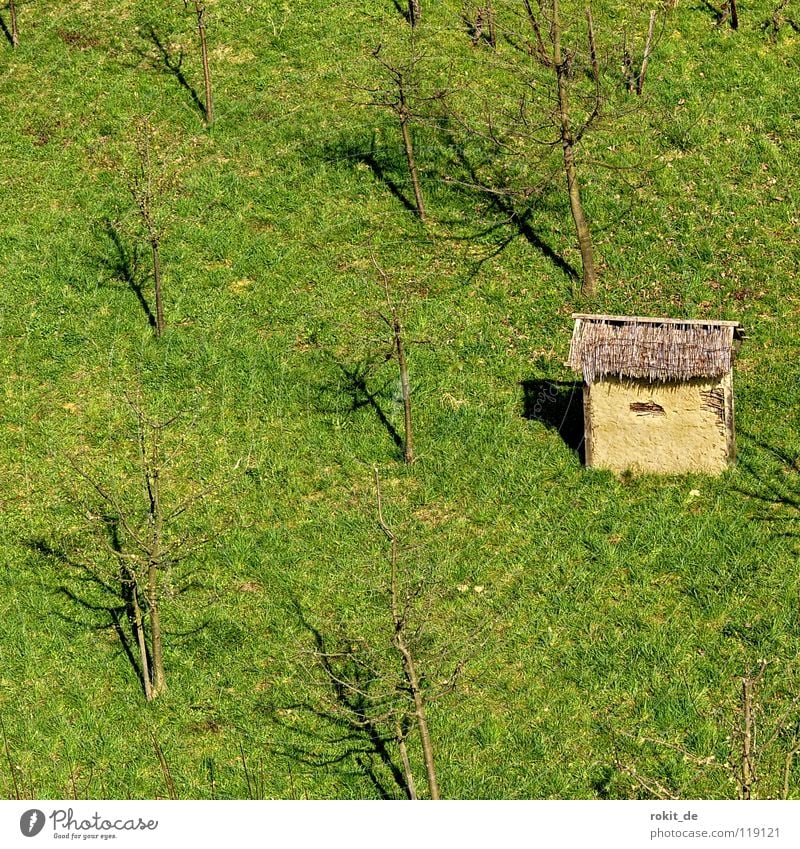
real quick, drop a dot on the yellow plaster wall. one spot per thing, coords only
(689, 437)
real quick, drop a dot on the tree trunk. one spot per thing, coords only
(412, 679)
(589, 285)
(160, 324)
(201, 28)
(414, 12)
(490, 20)
(12, 11)
(408, 442)
(419, 712)
(154, 563)
(412, 164)
(401, 744)
(734, 13)
(159, 677)
(138, 624)
(747, 738)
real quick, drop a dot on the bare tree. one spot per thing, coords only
(144, 540)
(150, 179)
(398, 102)
(763, 738)
(400, 93)
(549, 106)
(398, 349)
(382, 350)
(382, 687)
(382, 667)
(570, 137)
(200, 11)
(399, 612)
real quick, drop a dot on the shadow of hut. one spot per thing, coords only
(558, 404)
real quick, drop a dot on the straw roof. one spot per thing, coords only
(654, 349)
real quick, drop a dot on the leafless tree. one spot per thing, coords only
(549, 105)
(398, 603)
(399, 92)
(398, 350)
(382, 672)
(386, 695)
(560, 61)
(763, 736)
(145, 540)
(515, 142)
(151, 179)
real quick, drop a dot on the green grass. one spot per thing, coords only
(613, 612)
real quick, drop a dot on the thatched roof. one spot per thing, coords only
(654, 349)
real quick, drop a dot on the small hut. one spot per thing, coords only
(657, 392)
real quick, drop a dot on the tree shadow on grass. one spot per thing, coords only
(172, 65)
(123, 265)
(558, 404)
(117, 612)
(498, 199)
(775, 490)
(349, 710)
(109, 601)
(501, 200)
(6, 31)
(706, 6)
(350, 152)
(352, 392)
(403, 11)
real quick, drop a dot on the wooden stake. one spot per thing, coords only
(592, 46)
(200, 10)
(646, 56)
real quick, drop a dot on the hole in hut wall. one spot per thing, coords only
(647, 408)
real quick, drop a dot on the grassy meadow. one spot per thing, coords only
(604, 624)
